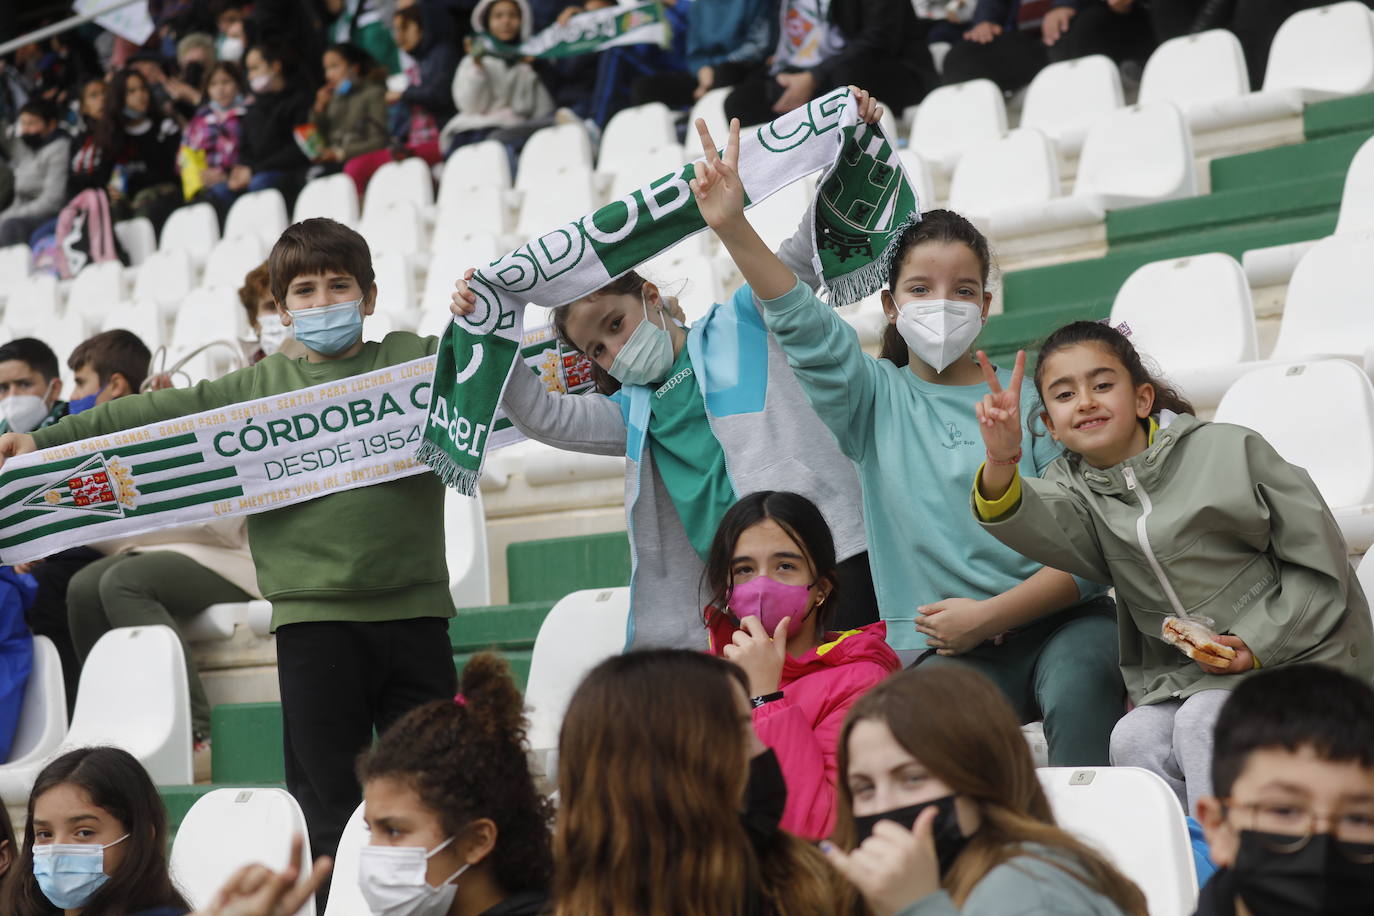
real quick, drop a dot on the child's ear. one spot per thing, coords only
(889, 306)
(1144, 400)
(1222, 841)
(1049, 424)
(370, 300)
(987, 305)
(650, 293)
(118, 386)
(285, 314)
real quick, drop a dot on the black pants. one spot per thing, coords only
(340, 681)
(857, 601)
(894, 83)
(48, 615)
(674, 88)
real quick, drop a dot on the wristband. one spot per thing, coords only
(1009, 462)
(756, 702)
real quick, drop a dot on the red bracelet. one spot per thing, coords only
(1010, 462)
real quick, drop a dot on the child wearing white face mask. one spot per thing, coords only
(946, 590)
(30, 388)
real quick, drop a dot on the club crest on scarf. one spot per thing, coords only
(96, 485)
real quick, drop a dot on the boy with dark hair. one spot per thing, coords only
(30, 389)
(1292, 823)
(357, 579)
(38, 157)
(110, 365)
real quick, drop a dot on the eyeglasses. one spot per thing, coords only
(1353, 829)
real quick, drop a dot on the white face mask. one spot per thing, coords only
(271, 334)
(939, 331)
(392, 879)
(230, 48)
(260, 83)
(23, 412)
(647, 356)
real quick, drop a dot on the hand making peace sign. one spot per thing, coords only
(999, 413)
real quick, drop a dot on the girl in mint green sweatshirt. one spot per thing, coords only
(948, 592)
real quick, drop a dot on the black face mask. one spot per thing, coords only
(949, 837)
(765, 797)
(193, 73)
(33, 141)
(1317, 880)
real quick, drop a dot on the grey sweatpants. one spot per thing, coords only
(1172, 739)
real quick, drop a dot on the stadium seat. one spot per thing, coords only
(165, 278)
(231, 259)
(345, 898)
(776, 218)
(1323, 53)
(94, 291)
(43, 713)
(474, 166)
(1132, 156)
(193, 229)
(32, 300)
(1318, 415)
(711, 109)
(1327, 311)
(1133, 818)
(63, 333)
(395, 228)
(408, 180)
(1020, 170)
(395, 290)
(217, 622)
(332, 196)
(469, 212)
(552, 153)
(465, 539)
(382, 324)
(1068, 98)
(544, 209)
(583, 629)
(14, 267)
(631, 131)
(1193, 317)
(650, 164)
(139, 316)
(918, 173)
(137, 238)
(1275, 265)
(209, 314)
(1364, 572)
(953, 119)
(261, 214)
(445, 267)
(227, 829)
(1205, 76)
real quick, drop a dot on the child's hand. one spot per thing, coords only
(999, 413)
(952, 626)
(870, 112)
(894, 867)
(760, 655)
(464, 299)
(13, 445)
(255, 890)
(718, 189)
(1243, 662)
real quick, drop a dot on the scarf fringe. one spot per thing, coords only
(870, 278)
(450, 474)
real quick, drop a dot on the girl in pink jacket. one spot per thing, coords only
(771, 571)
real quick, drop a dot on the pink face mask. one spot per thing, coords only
(770, 601)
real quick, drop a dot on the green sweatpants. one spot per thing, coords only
(142, 589)
(1064, 669)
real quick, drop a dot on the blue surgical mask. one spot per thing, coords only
(77, 405)
(70, 874)
(344, 87)
(131, 114)
(647, 356)
(329, 329)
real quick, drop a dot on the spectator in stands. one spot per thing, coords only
(90, 108)
(899, 420)
(363, 24)
(771, 572)
(941, 810)
(269, 156)
(618, 68)
(1236, 534)
(497, 97)
(9, 848)
(1291, 822)
(134, 153)
(211, 146)
(18, 592)
(264, 315)
(231, 35)
(30, 387)
(350, 108)
(676, 811)
(38, 156)
(384, 620)
(455, 816)
(726, 41)
(825, 44)
(101, 800)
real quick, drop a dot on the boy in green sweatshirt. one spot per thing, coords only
(357, 579)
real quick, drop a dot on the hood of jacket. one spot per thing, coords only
(1150, 466)
(526, 18)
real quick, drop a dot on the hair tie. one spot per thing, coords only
(1120, 327)
(460, 699)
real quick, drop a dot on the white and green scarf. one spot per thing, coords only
(588, 33)
(864, 201)
(237, 460)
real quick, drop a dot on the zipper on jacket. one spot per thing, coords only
(1146, 507)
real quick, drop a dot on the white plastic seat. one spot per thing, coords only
(1323, 52)
(138, 317)
(1132, 817)
(651, 164)
(918, 172)
(261, 214)
(137, 237)
(32, 300)
(407, 180)
(63, 333)
(208, 314)
(1275, 265)
(545, 208)
(1205, 76)
(1066, 99)
(479, 212)
(398, 227)
(345, 897)
(476, 165)
(132, 695)
(776, 218)
(445, 267)
(954, 119)
(193, 229)
(1365, 573)
(217, 622)
(632, 130)
(564, 149)
(43, 713)
(227, 829)
(711, 109)
(1327, 311)
(1019, 170)
(14, 267)
(395, 289)
(582, 630)
(331, 196)
(1132, 156)
(1208, 294)
(1318, 415)
(94, 291)
(231, 259)
(465, 540)
(165, 278)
